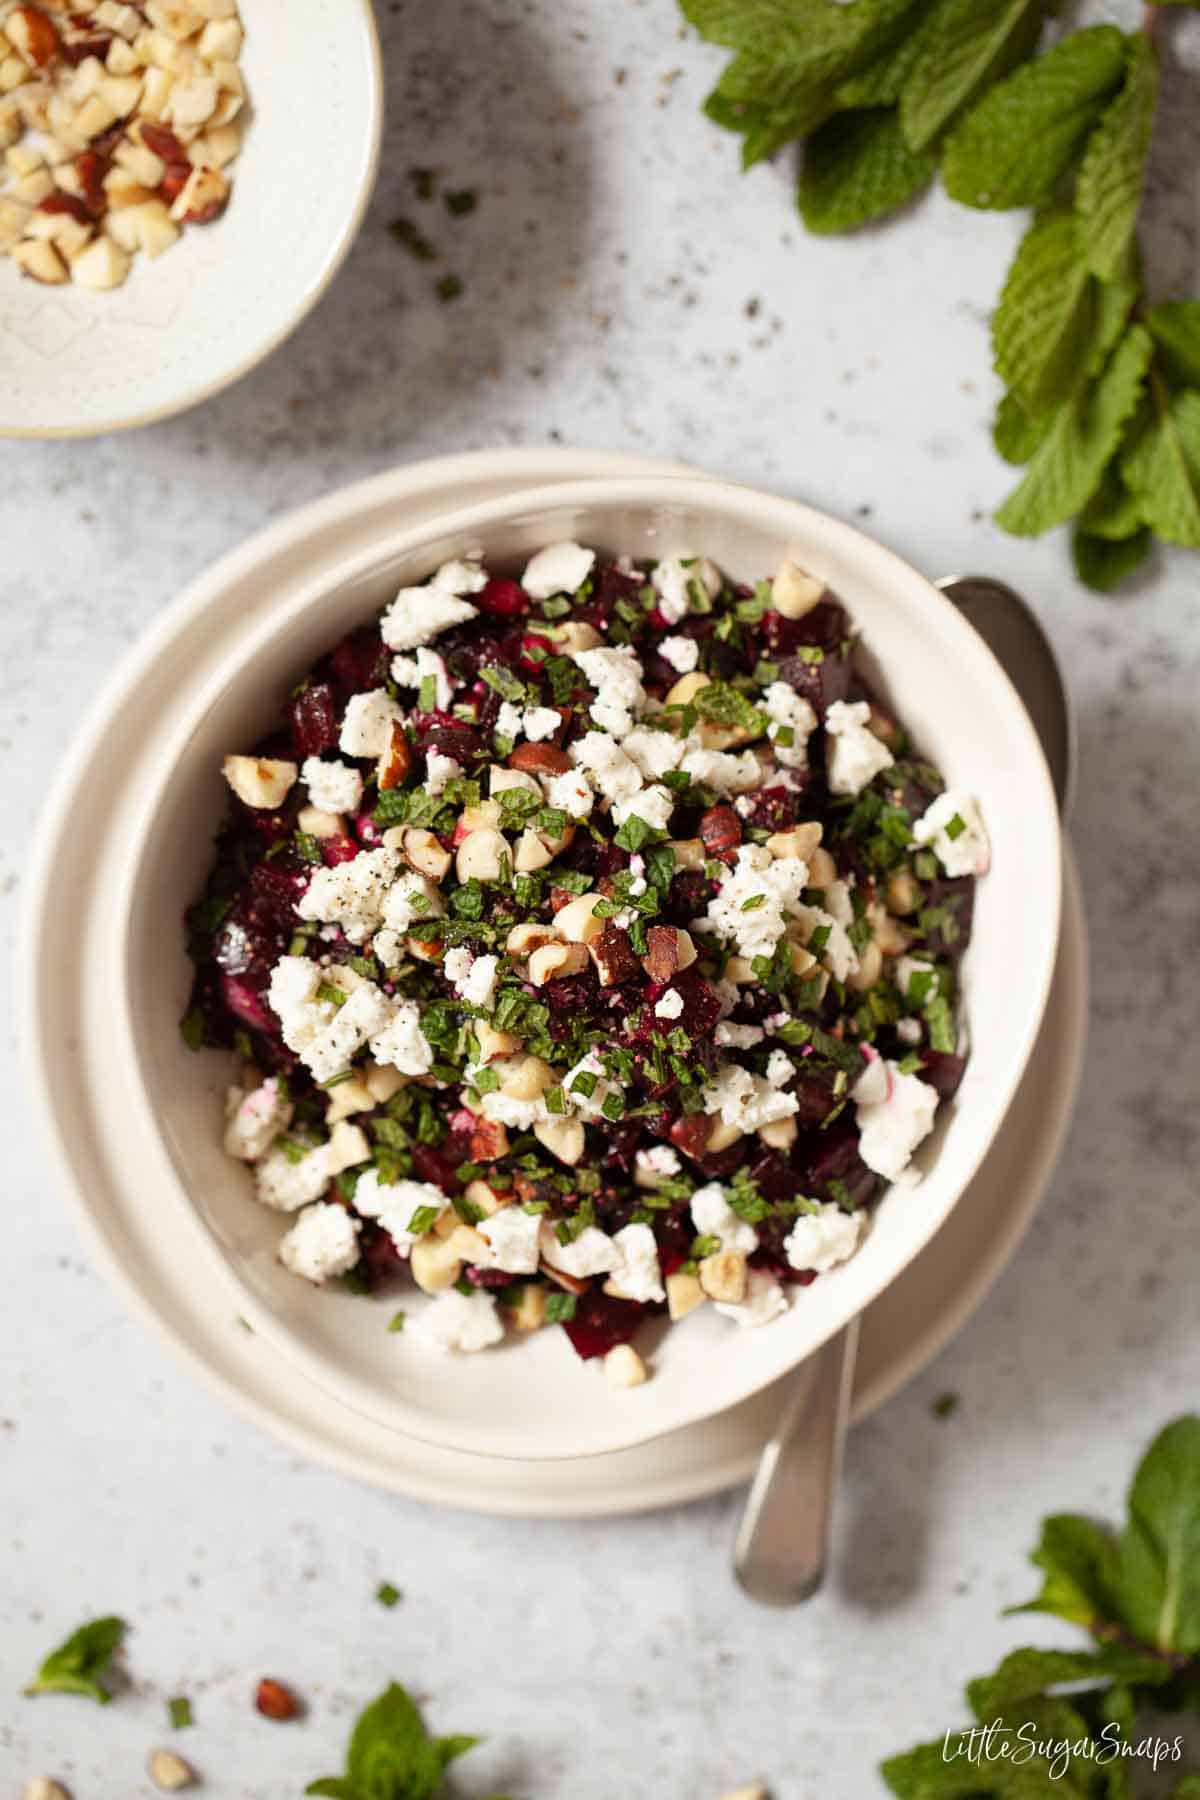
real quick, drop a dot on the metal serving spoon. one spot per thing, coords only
(783, 1540)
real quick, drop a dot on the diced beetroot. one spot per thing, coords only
(815, 1096)
(701, 1007)
(449, 736)
(338, 850)
(430, 1164)
(269, 826)
(601, 1322)
(943, 1071)
(687, 897)
(674, 1233)
(381, 1258)
(720, 831)
(246, 1003)
(777, 808)
(836, 1158)
(534, 651)
(312, 715)
(502, 599)
(486, 1278)
(950, 936)
(360, 661)
(826, 626)
(368, 833)
(820, 683)
(276, 887)
(774, 1176)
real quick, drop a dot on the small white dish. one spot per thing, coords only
(207, 677)
(205, 313)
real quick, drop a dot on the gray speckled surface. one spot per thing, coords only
(624, 288)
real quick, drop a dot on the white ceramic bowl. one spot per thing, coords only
(535, 1400)
(202, 315)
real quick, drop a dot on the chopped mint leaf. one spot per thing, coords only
(387, 1595)
(754, 902)
(460, 201)
(191, 1029)
(423, 1220)
(77, 1666)
(559, 1308)
(944, 1405)
(179, 1711)
(955, 827)
(448, 287)
(398, 1320)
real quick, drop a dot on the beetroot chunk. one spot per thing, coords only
(601, 1322)
(312, 716)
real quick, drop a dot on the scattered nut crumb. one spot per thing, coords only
(274, 1701)
(169, 1772)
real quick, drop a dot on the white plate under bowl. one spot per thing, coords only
(91, 1091)
(226, 295)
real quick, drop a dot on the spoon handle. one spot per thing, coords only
(782, 1544)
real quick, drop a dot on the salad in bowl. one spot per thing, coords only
(588, 933)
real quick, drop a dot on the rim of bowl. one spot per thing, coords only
(338, 253)
(774, 516)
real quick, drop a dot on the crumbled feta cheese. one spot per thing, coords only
(672, 581)
(439, 770)
(953, 828)
(670, 1006)
(513, 1235)
(616, 675)
(683, 653)
(333, 786)
(780, 1068)
(652, 805)
(429, 663)
(254, 1120)
(292, 994)
(571, 792)
(508, 720)
(363, 1016)
(540, 722)
(367, 723)
(772, 886)
(286, 1185)
(713, 1216)
(746, 1100)
(394, 1204)
(726, 991)
(853, 755)
(789, 711)
(419, 615)
(405, 672)
(654, 751)
(891, 1124)
(411, 897)
(474, 977)
(558, 569)
(388, 947)
(589, 1106)
(461, 575)
(765, 1300)
(616, 776)
(322, 1243)
(465, 1322)
(505, 1109)
(593, 1252)
(729, 1036)
(909, 1031)
(636, 1275)
(724, 773)
(352, 894)
(655, 1165)
(402, 1044)
(822, 1239)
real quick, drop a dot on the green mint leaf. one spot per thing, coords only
(974, 44)
(1159, 1562)
(1029, 1674)
(1043, 323)
(1069, 465)
(1103, 563)
(882, 82)
(1011, 149)
(391, 1756)
(1162, 465)
(387, 1594)
(925, 1774)
(790, 59)
(1175, 328)
(1078, 1559)
(1112, 512)
(1016, 435)
(858, 167)
(179, 1711)
(77, 1665)
(1113, 172)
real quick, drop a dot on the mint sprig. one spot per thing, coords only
(1137, 1593)
(391, 1756)
(884, 93)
